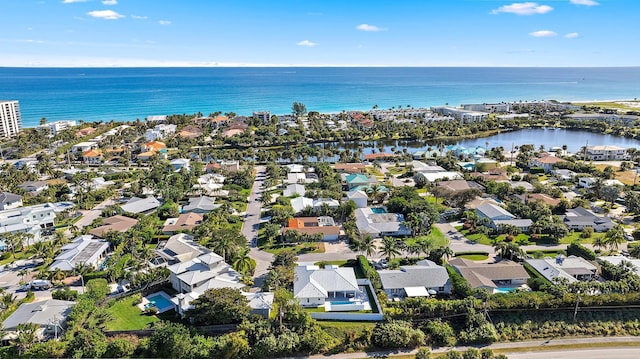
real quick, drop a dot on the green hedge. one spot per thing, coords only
(579, 250)
(460, 285)
(369, 271)
(95, 275)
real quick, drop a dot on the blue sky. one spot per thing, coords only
(319, 32)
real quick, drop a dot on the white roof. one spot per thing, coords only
(311, 282)
(416, 291)
(357, 194)
(300, 203)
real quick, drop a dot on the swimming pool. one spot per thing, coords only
(342, 302)
(378, 210)
(505, 290)
(161, 301)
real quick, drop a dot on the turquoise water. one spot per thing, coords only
(378, 210)
(159, 301)
(342, 303)
(506, 290)
(124, 94)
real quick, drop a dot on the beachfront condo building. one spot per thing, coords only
(10, 120)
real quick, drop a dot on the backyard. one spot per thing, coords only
(525, 239)
(125, 315)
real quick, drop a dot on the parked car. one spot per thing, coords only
(39, 284)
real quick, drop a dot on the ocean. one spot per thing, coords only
(125, 94)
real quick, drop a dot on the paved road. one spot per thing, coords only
(617, 353)
(544, 350)
(459, 243)
(250, 228)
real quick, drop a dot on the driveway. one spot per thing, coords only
(333, 251)
(459, 243)
(250, 229)
(89, 216)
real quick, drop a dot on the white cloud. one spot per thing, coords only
(110, 2)
(72, 1)
(367, 27)
(306, 43)
(572, 35)
(105, 14)
(138, 17)
(584, 2)
(524, 8)
(164, 22)
(543, 33)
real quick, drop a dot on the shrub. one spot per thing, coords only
(151, 311)
(65, 294)
(396, 334)
(95, 275)
(369, 271)
(439, 333)
(587, 232)
(423, 353)
(136, 298)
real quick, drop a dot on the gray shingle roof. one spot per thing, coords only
(431, 276)
(40, 313)
(139, 205)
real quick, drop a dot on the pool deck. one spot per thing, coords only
(145, 301)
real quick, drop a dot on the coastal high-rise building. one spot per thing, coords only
(10, 120)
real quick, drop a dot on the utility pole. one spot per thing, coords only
(575, 311)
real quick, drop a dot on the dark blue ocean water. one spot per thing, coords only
(123, 94)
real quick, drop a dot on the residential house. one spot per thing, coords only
(49, 316)
(300, 203)
(153, 148)
(210, 183)
(586, 182)
(34, 187)
(565, 175)
(194, 277)
(493, 174)
(232, 132)
(84, 147)
(294, 190)
(190, 132)
(380, 224)
(299, 177)
(528, 187)
(606, 153)
(179, 163)
(184, 222)
(294, 168)
(324, 225)
(460, 185)
(499, 216)
(83, 250)
(9, 201)
(260, 303)
(85, 132)
(159, 132)
(320, 204)
(115, 223)
(354, 180)
(360, 198)
(421, 280)
(313, 286)
(570, 268)
(491, 276)
(618, 260)
(437, 176)
(577, 219)
(156, 118)
(541, 197)
(57, 126)
(141, 205)
(92, 157)
(36, 220)
(350, 167)
(381, 157)
(179, 248)
(545, 161)
(202, 204)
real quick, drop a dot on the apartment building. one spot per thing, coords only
(32, 219)
(10, 120)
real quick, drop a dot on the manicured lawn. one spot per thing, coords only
(396, 170)
(315, 247)
(339, 330)
(437, 238)
(126, 316)
(525, 239)
(474, 257)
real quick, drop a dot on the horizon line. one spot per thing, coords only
(297, 66)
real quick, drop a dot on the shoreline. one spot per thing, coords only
(635, 100)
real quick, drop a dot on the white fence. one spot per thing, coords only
(368, 317)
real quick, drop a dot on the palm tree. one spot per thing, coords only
(614, 237)
(26, 336)
(366, 245)
(23, 273)
(389, 247)
(509, 250)
(81, 269)
(243, 263)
